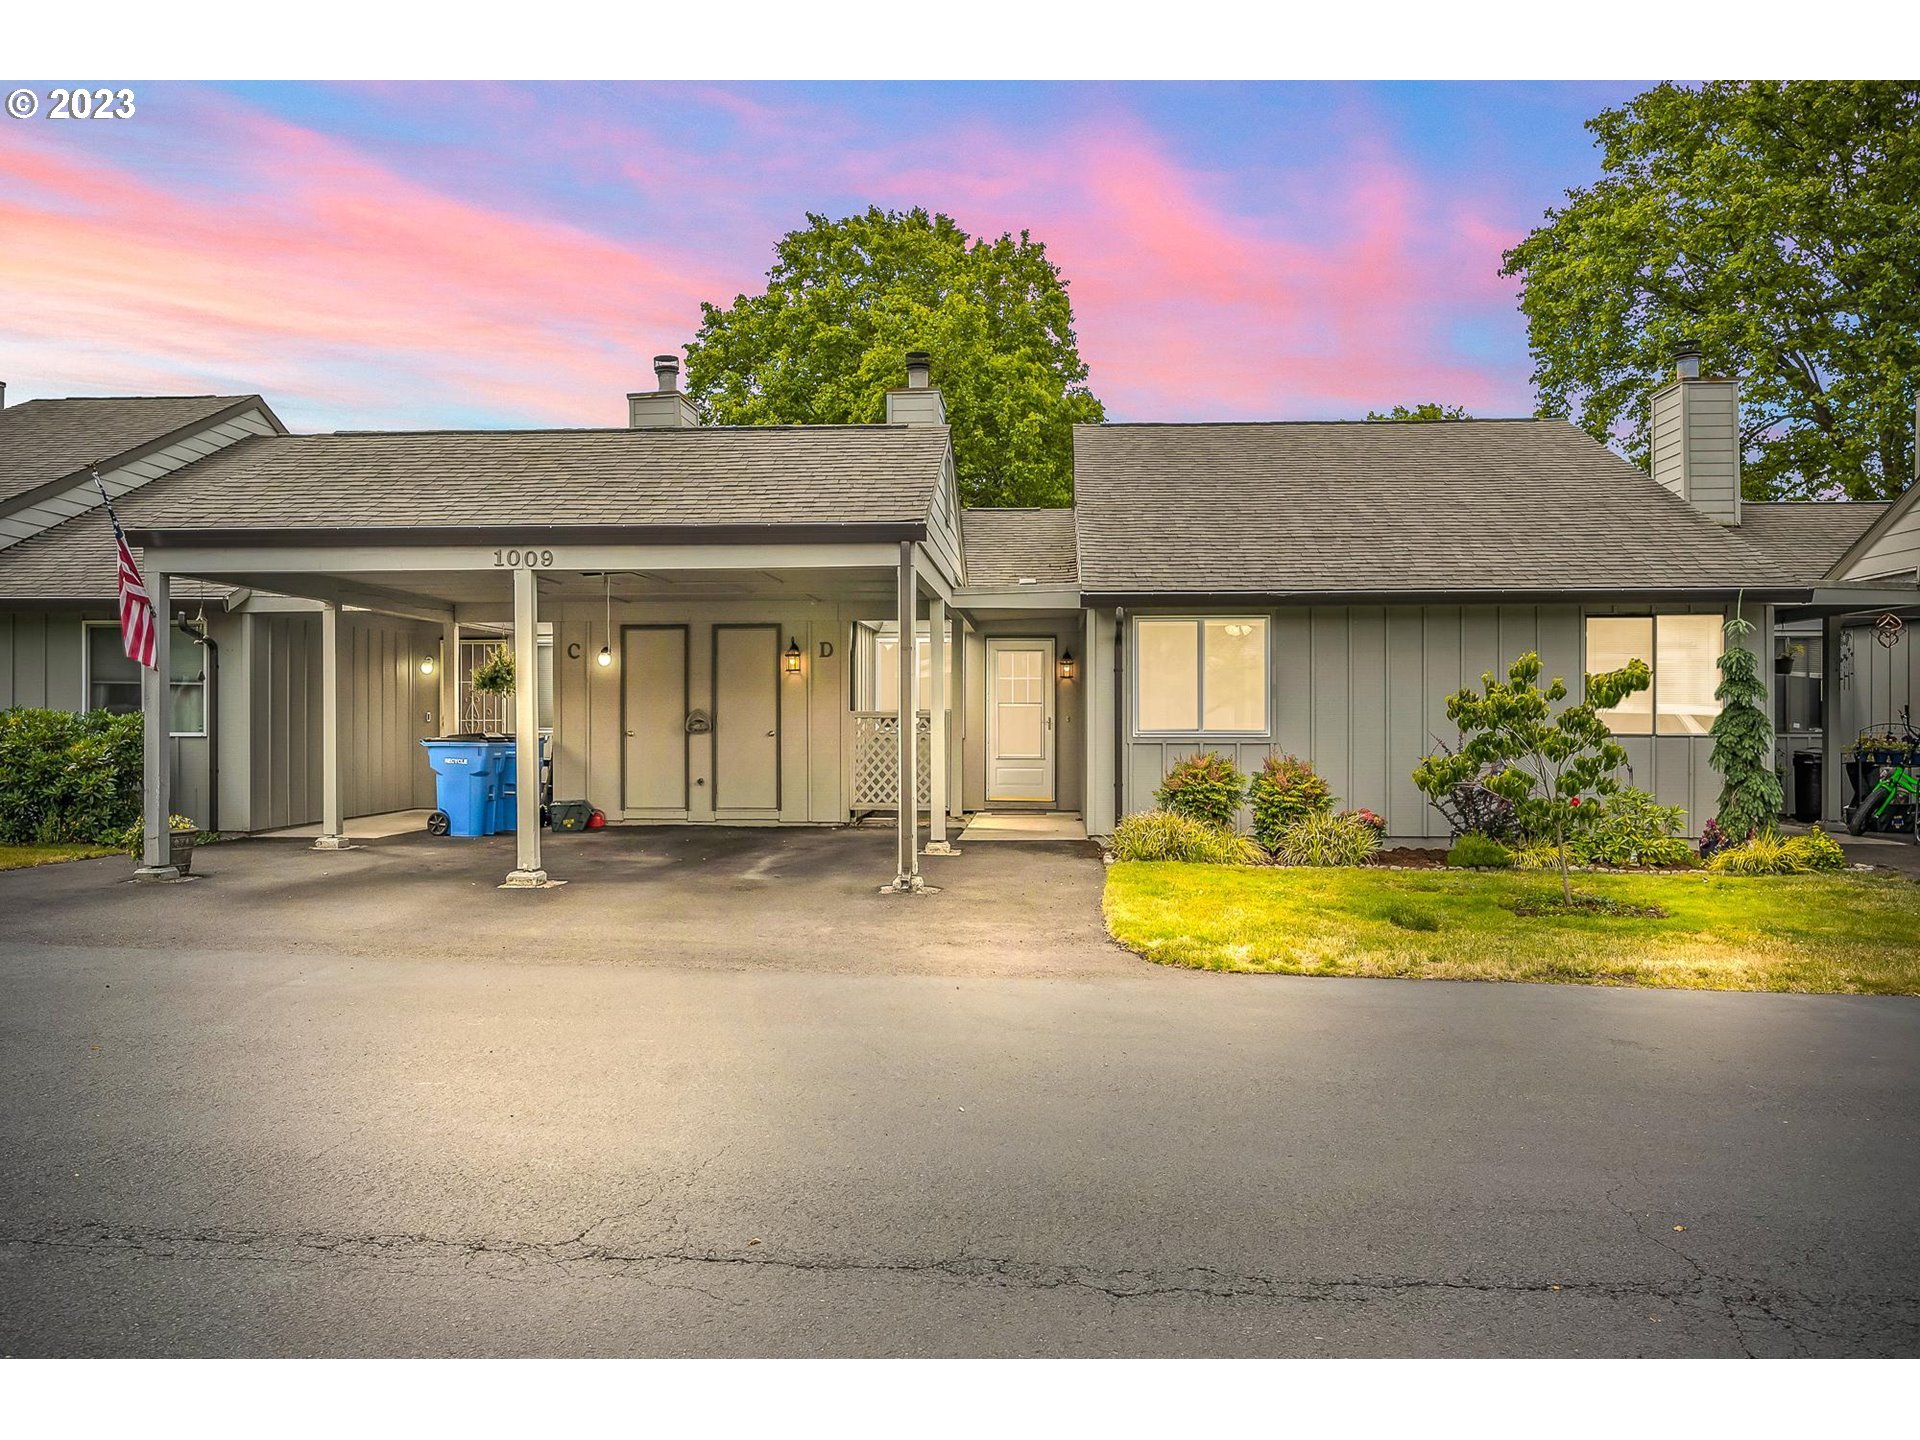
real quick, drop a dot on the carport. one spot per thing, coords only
(700, 581)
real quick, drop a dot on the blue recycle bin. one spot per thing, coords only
(506, 818)
(466, 776)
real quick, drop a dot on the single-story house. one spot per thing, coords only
(715, 616)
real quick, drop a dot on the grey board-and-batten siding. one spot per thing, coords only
(1360, 692)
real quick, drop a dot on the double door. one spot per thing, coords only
(701, 742)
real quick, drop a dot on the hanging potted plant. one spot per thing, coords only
(494, 675)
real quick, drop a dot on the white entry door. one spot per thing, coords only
(746, 721)
(654, 707)
(1019, 720)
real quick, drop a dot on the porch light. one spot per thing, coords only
(426, 664)
(792, 657)
(1066, 665)
(605, 657)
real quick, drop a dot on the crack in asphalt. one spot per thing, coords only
(1889, 1323)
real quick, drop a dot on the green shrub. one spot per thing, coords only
(1477, 852)
(1536, 855)
(1762, 855)
(1816, 851)
(1629, 827)
(1163, 835)
(68, 779)
(1323, 838)
(1205, 787)
(1284, 790)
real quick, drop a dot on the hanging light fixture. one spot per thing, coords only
(426, 664)
(605, 657)
(792, 656)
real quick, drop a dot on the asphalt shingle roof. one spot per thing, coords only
(74, 561)
(1491, 506)
(1007, 546)
(749, 475)
(1806, 538)
(46, 440)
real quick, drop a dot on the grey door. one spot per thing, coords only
(746, 721)
(654, 711)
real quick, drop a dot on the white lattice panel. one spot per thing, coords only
(876, 760)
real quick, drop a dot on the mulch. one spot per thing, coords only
(1406, 857)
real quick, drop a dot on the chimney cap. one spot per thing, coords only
(666, 372)
(1686, 359)
(919, 369)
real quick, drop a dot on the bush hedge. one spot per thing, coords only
(1206, 787)
(1285, 790)
(1477, 852)
(1323, 838)
(1776, 855)
(68, 779)
(1164, 835)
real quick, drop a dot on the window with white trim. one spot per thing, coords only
(112, 681)
(1201, 676)
(1683, 651)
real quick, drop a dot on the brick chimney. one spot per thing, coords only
(663, 407)
(920, 403)
(1696, 437)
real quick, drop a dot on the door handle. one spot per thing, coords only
(629, 732)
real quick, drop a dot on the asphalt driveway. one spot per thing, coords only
(367, 1104)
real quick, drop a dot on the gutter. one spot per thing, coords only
(1146, 599)
(521, 536)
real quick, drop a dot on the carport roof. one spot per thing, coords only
(817, 476)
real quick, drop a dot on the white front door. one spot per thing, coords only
(746, 721)
(1019, 720)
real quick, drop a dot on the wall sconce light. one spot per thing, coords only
(605, 657)
(792, 657)
(1066, 665)
(426, 665)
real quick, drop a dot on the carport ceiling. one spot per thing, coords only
(462, 588)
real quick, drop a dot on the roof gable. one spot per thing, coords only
(47, 443)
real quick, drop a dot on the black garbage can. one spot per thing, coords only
(1806, 786)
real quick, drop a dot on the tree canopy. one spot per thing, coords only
(1778, 224)
(1429, 410)
(847, 299)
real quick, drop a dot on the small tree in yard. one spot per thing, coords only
(1743, 742)
(1541, 760)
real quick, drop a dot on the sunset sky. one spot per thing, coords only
(431, 255)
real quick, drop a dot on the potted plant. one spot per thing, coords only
(182, 836)
(494, 675)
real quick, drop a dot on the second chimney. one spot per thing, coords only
(1695, 449)
(663, 407)
(920, 403)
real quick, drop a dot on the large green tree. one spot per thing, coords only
(1779, 225)
(1426, 411)
(847, 299)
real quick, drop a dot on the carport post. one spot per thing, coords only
(526, 729)
(156, 788)
(450, 678)
(908, 796)
(333, 823)
(937, 704)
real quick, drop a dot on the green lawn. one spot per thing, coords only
(18, 857)
(1845, 933)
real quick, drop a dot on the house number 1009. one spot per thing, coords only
(530, 559)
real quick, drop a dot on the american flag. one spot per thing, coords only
(136, 609)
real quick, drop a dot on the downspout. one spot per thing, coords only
(1119, 713)
(211, 669)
